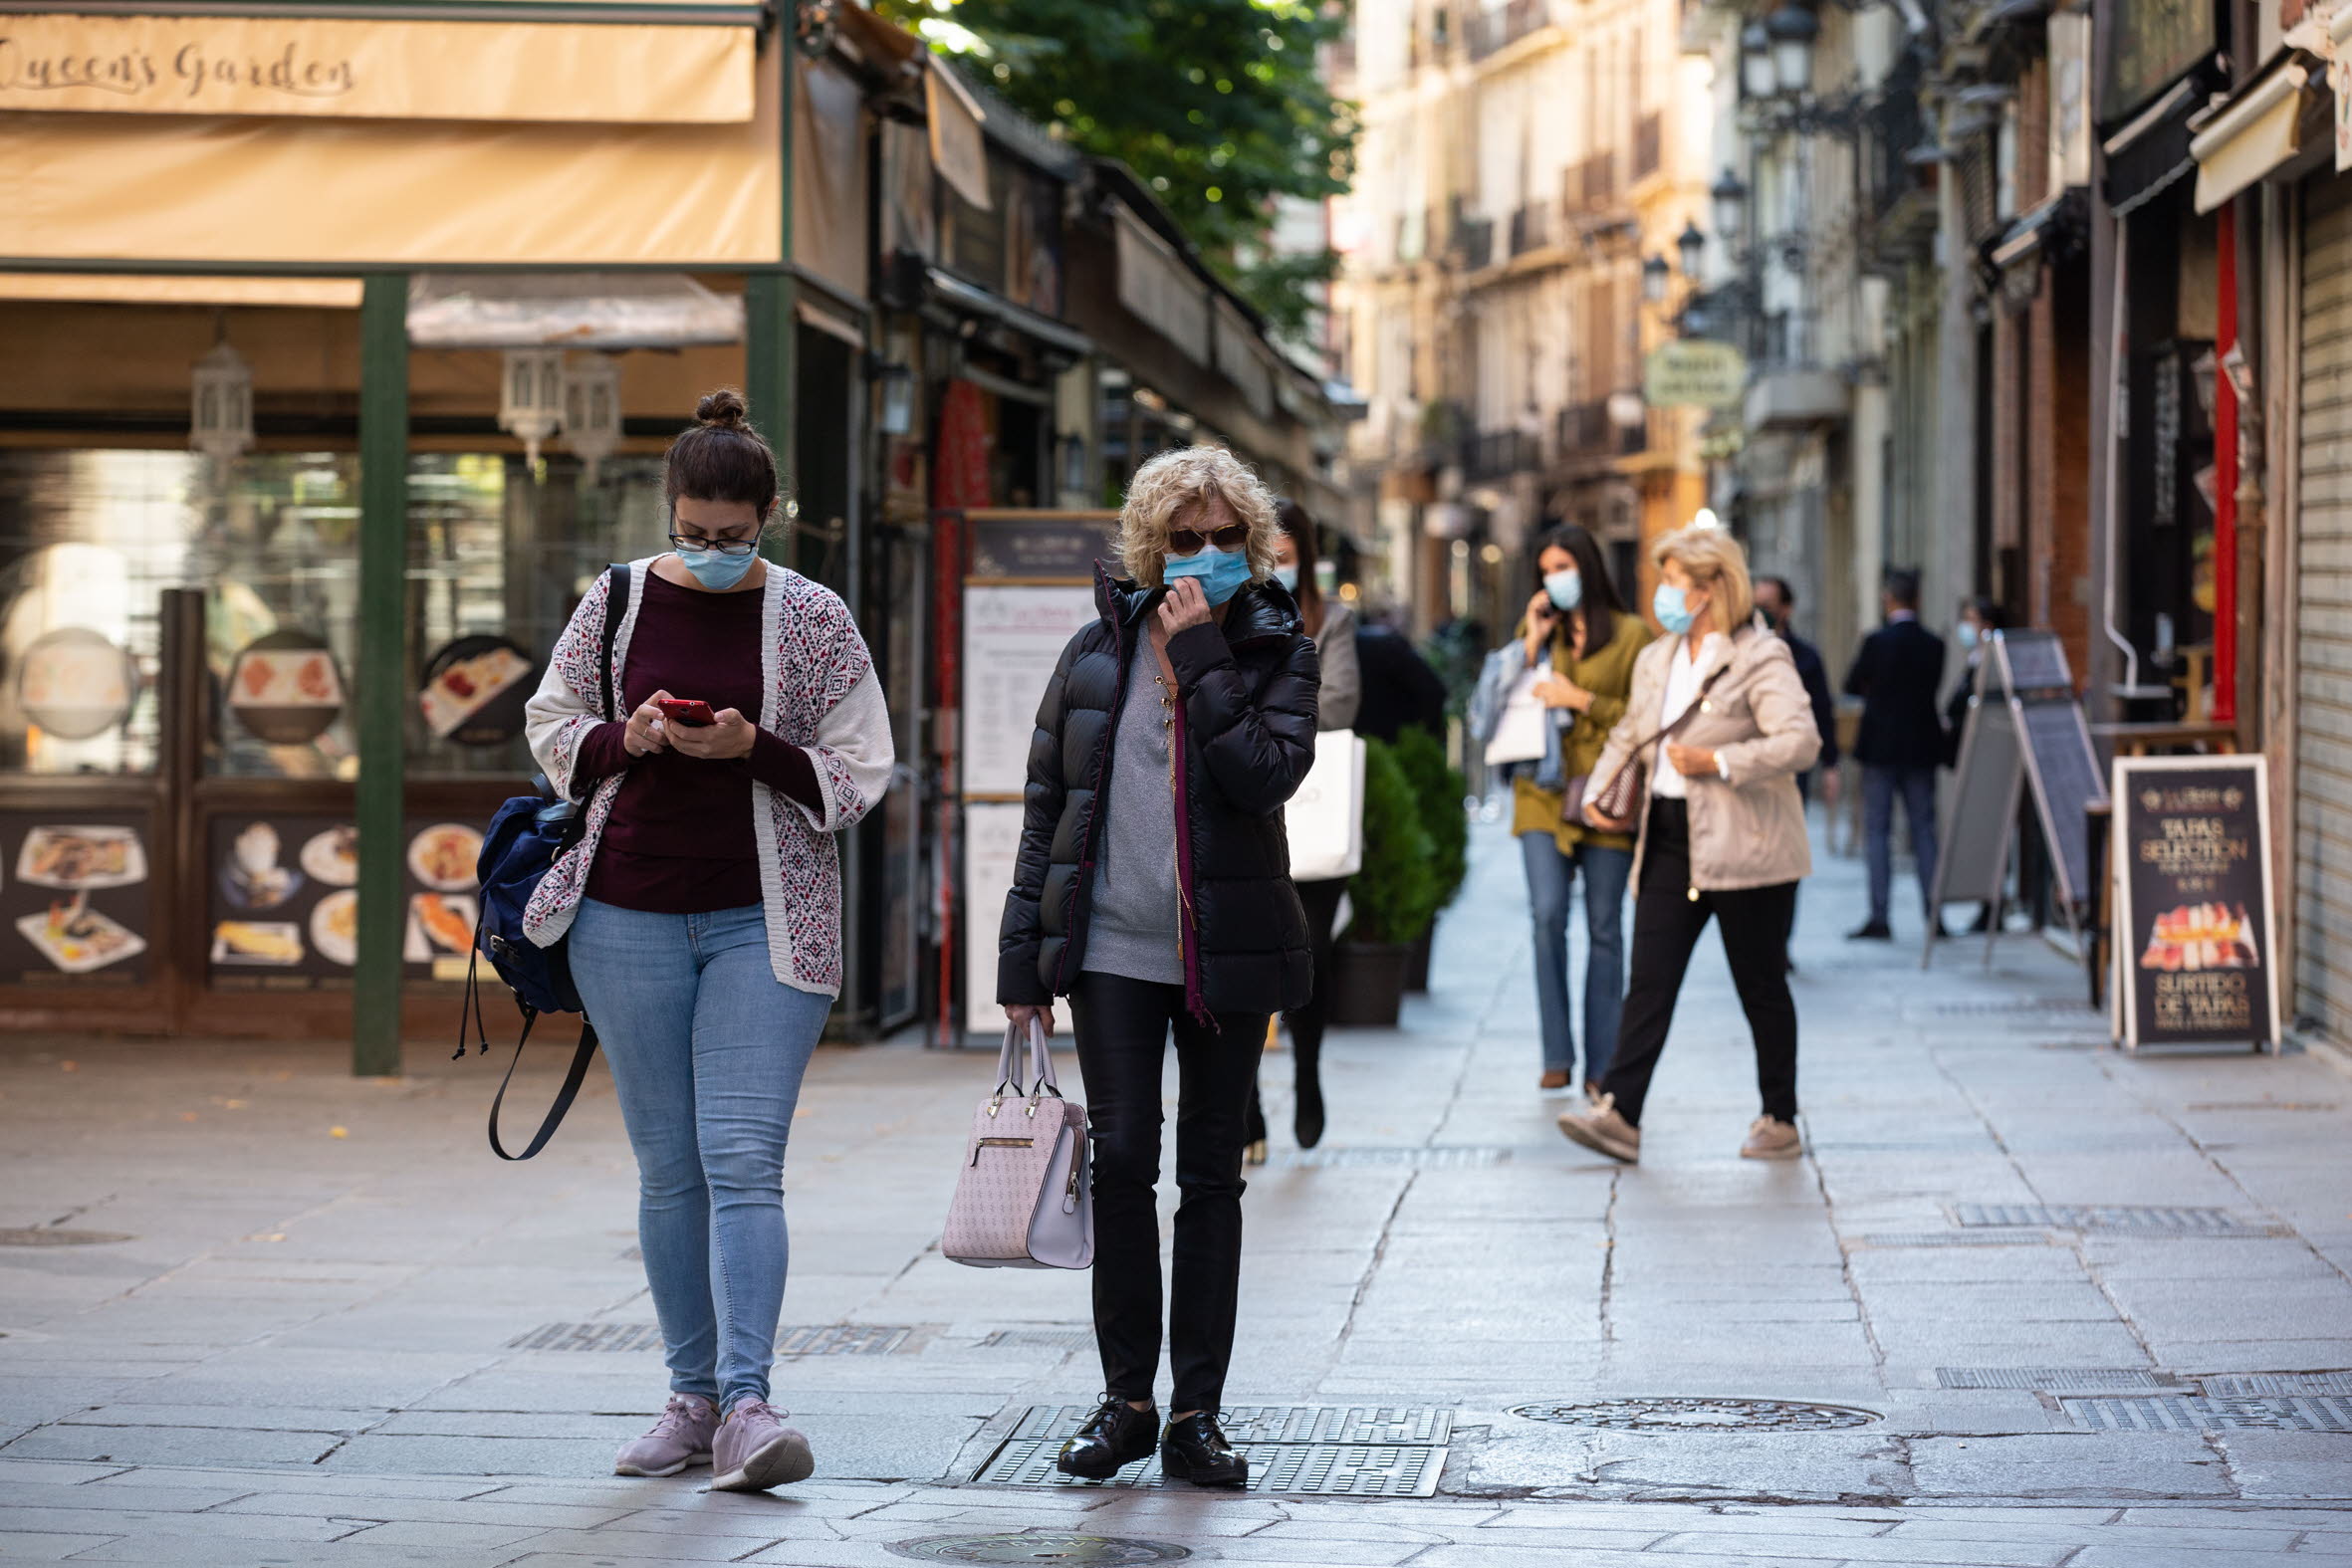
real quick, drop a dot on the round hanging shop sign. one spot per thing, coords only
(76, 684)
(474, 691)
(285, 687)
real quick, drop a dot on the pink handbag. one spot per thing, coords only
(1023, 1199)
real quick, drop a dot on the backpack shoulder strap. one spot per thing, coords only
(580, 1057)
(617, 601)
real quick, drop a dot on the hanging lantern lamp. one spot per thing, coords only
(220, 418)
(592, 410)
(531, 399)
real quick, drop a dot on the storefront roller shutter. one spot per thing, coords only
(2323, 590)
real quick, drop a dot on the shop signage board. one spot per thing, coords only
(2025, 734)
(1693, 372)
(2196, 916)
(2150, 44)
(328, 68)
(74, 902)
(284, 907)
(992, 842)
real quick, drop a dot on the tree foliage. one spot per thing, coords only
(1217, 106)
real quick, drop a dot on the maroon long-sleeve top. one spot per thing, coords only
(680, 838)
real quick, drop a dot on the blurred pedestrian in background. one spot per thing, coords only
(1898, 673)
(1775, 600)
(1152, 889)
(708, 970)
(1399, 686)
(1721, 722)
(1572, 661)
(1330, 624)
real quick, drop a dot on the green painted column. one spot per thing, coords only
(770, 362)
(381, 676)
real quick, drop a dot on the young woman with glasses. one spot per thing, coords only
(703, 905)
(1153, 890)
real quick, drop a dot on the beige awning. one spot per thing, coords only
(356, 193)
(2252, 137)
(115, 288)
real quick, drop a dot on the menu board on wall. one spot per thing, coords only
(992, 844)
(74, 898)
(1012, 638)
(284, 901)
(2194, 914)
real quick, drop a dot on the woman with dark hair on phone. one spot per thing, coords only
(703, 904)
(1153, 890)
(1330, 624)
(1572, 658)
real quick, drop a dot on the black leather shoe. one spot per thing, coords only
(1306, 1118)
(1871, 930)
(1114, 1438)
(1195, 1450)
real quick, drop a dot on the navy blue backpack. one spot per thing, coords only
(522, 842)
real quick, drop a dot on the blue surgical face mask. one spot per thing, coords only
(1222, 572)
(1565, 587)
(1966, 633)
(1288, 576)
(1673, 612)
(716, 572)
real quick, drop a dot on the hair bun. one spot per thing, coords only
(723, 408)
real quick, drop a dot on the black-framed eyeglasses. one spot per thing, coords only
(1190, 541)
(717, 547)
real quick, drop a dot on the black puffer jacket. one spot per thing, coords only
(1247, 739)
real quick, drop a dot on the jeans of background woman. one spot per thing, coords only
(707, 1048)
(1550, 874)
(1122, 1028)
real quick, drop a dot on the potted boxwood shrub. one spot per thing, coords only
(1394, 897)
(1439, 791)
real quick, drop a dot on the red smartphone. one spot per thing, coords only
(692, 712)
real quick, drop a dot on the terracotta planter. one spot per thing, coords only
(1367, 984)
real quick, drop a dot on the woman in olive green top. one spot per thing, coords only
(1591, 640)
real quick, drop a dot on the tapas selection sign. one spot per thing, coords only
(284, 906)
(2194, 904)
(74, 898)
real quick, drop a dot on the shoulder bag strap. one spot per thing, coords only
(616, 599)
(1682, 718)
(563, 1097)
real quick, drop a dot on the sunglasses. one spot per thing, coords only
(1190, 541)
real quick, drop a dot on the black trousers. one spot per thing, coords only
(1667, 924)
(1322, 902)
(1122, 1028)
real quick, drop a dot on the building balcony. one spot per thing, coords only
(1649, 144)
(1531, 228)
(1492, 32)
(1473, 242)
(1499, 454)
(1790, 397)
(1584, 434)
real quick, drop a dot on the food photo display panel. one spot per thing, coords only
(75, 897)
(284, 901)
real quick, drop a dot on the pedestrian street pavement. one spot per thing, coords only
(2028, 1302)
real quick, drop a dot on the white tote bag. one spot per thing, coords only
(1326, 817)
(1519, 733)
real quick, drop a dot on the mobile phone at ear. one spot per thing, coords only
(692, 712)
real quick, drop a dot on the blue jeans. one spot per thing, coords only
(1549, 875)
(1880, 787)
(707, 1048)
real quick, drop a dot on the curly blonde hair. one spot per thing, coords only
(1173, 486)
(1716, 565)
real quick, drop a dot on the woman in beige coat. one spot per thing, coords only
(1721, 727)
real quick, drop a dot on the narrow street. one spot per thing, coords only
(2027, 1302)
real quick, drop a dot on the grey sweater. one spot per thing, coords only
(1131, 931)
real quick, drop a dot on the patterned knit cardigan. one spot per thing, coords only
(821, 695)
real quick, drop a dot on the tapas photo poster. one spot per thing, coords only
(2194, 910)
(284, 906)
(75, 898)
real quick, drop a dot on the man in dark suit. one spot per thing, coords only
(1399, 686)
(1897, 674)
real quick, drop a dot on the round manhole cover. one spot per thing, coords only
(1700, 1414)
(44, 1236)
(1038, 1546)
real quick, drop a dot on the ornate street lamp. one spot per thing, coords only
(1654, 274)
(1793, 30)
(531, 398)
(1757, 79)
(592, 410)
(1691, 245)
(1729, 198)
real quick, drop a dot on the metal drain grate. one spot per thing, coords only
(829, 1339)
(1444, 1158)
(1340, 1423)
(2137, 1218)
(2264, 1105)
(2189, 1412)
(2052, 1379)
(1988, 1006)
(1957, 1238)
(1039, 1339)
(1700, 1414)
(1334, 1470)
(2261, 1385)
(1034, 1546)
(50, 1235)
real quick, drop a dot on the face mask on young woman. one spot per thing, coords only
(1221, 572)
(1288, 576)
(714, 570)
(1567, 589)
(1672, 607)
(1967, 633)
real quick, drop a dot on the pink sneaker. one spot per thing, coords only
(681, 1438)
(755, 1451)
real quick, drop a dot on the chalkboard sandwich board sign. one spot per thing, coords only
(2194, 907)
